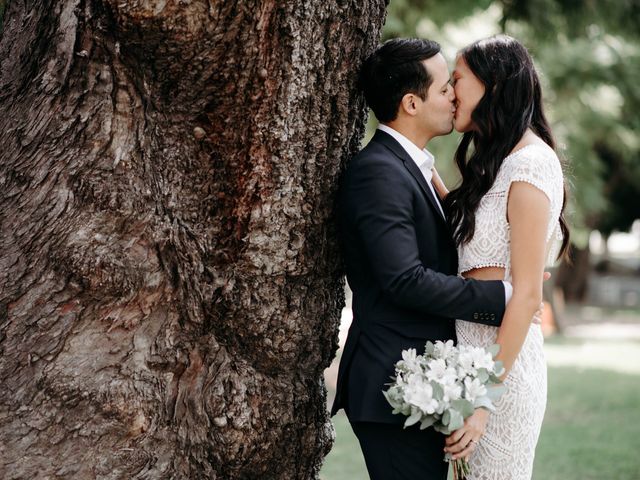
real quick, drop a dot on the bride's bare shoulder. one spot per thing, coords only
(529, 139)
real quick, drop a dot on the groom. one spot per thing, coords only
(400, 258)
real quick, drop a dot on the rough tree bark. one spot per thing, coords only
(170, 285)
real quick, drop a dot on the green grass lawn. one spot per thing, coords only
(591, 430)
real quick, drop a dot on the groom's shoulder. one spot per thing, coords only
(374, 155)
(373, 171)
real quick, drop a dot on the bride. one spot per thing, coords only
(507, 221)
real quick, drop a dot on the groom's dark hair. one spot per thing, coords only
(394, 70)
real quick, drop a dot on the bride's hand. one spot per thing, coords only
(463, 441)
(438, 184)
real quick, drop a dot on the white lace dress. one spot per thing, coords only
(506, 450)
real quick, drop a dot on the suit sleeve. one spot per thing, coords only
(380, 199)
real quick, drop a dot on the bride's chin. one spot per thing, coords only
(458, 127)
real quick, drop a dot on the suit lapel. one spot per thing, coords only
(390, 142)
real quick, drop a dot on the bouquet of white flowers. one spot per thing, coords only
(444, 386)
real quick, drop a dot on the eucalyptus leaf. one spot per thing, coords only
(413, 419)
(438, 391)
(494, 393)
(494, 349)
(446, 418)
(465, 407)
(456, 420)
(429, 348)
(485, 402)
(427, 422)
(442, 429)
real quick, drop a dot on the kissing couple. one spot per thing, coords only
(426, 264)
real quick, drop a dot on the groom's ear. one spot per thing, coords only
(409, 104)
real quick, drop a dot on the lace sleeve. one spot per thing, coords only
(538, 166)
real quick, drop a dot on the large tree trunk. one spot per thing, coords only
(170, 284)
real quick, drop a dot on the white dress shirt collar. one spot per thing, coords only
(422, 158)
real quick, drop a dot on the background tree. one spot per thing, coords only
(170, 286)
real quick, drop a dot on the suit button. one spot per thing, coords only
(493, 317)
(475, 316)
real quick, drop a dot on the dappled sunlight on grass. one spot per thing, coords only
(616, 355)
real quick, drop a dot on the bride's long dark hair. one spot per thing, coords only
(511, 104)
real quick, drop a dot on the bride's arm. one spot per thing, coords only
(438, 184)
(528, 210)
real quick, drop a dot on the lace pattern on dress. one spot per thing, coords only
(534, 164)
(506, 450)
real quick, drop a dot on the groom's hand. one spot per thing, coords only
(537, 317)
(463, 441)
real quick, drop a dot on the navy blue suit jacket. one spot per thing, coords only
(401, 265)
